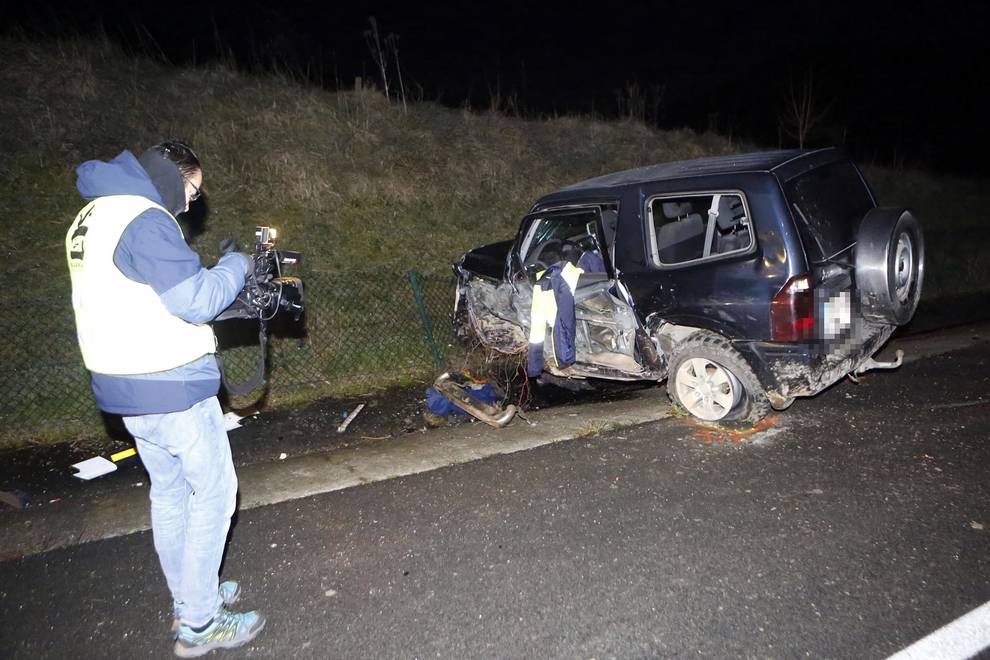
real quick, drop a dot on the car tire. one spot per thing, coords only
(728, 391)
(890, 265)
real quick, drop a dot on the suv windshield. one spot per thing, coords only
(828, 203)
(569, 236)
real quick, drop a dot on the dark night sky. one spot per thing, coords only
(902, 84)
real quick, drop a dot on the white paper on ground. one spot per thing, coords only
(94, 467)
(232, 421)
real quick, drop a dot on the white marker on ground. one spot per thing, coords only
(959, 640)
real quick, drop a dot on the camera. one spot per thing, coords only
(268, 292)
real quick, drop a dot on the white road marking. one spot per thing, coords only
(959, 640)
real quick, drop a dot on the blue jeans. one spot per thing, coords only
(193, 496)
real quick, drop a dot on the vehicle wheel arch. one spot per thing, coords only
(691, 347)
(670, 336)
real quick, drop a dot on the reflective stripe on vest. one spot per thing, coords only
(122, 326)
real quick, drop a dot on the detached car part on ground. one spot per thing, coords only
(745, 281)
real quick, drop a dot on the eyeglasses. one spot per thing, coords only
(196, 191)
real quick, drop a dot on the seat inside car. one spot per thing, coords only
(733, 232)
(684, 238)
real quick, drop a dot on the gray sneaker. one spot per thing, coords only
(230, 591)
(228, 630)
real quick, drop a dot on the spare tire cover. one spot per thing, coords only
(890, 265)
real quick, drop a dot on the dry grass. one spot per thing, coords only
(595, 428)
(346, 176)
(350, 178)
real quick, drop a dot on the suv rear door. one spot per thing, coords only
(701, 267)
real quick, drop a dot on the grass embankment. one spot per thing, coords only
(365, 190)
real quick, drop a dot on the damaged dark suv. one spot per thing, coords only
(745, 280)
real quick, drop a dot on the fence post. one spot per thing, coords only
(424, 318)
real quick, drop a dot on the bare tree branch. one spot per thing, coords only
(377, 52)
(802, 111)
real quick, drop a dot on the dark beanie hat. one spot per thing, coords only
(168, 181)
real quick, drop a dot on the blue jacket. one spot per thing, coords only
(563, 325)
(152, 251)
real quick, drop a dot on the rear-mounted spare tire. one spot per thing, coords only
(890, 265)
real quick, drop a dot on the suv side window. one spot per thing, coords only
(687, 228)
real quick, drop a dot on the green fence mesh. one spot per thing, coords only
(361, 331)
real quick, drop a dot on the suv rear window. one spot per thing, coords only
(827, 204)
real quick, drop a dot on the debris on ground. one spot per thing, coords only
(721, 436)
(121, 455)
(93, 467)
(15, 499)
(232, 420)
(350, 418)
(99, 466)
(448, 397)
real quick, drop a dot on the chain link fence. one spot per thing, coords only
(361, 331)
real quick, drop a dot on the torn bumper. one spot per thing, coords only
(487, 413)
(793, 370)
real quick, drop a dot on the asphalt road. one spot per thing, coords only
(854, 525)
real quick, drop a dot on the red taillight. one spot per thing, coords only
(792, 312)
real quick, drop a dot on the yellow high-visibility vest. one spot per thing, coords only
(122, 326)
(543, 310)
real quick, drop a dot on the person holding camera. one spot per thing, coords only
(142, 303)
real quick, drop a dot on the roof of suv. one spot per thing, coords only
(763, 161)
